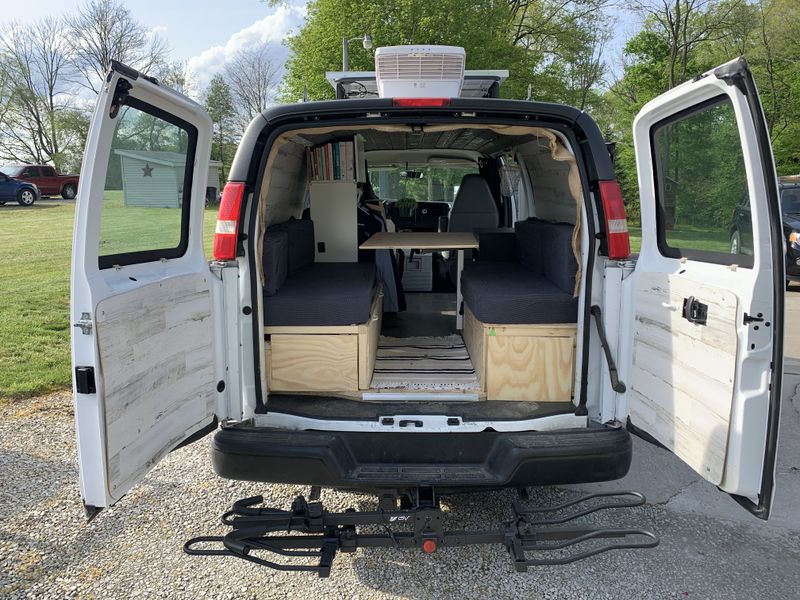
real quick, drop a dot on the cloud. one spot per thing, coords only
(159, 30)
(271, 30)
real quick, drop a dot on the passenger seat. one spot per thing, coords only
(474, 206)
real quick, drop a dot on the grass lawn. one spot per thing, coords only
(34, 288)
(687, 238)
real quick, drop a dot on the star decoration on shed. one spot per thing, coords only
(147, 170)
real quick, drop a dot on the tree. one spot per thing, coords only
(482, 28)
(176, 74)
(220, 107)
(105, 30)
(684, 25)
(35, 70)
(252, 78)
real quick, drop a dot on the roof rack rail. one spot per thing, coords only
(363, 84)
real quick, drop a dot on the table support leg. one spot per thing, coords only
(459, 299)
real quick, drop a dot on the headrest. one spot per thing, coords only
(474, 196)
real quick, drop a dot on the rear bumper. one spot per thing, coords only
(447, 460)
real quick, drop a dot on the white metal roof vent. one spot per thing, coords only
(419, 71)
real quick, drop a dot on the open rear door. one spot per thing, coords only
(145, 378)
(708, 330)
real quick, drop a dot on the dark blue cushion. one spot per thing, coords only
(275, 260)
(323, 294)
(558, 260)
(509, 293)
(529, 243)
(301, 241)
(497, 246)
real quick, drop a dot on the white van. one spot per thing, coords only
(537, 343)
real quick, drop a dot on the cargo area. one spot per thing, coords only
(421, 268)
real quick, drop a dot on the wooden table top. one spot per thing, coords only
(422, 240)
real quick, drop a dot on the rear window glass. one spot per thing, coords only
(146, 198)
(701, 186)
(409, 184)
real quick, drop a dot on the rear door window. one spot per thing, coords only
(701, 186)
(145, 215)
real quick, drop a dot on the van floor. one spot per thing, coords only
(428, 314)
(345, 409)
(424, 363)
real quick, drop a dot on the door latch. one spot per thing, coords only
(84, 323)
(695, 311)
(751, 319)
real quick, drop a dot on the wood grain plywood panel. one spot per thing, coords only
(529, 368)
(368, 336)
(683, 374)
(313, 363)
(474, 339)
(421, 240)
(156, 365)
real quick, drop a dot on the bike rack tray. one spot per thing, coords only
(415, 520)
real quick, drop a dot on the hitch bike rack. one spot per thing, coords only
(315, 533)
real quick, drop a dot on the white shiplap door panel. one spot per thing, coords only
(683, 374)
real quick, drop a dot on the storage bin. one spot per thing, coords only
(418, 272)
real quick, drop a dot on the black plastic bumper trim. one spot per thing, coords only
(454, 460)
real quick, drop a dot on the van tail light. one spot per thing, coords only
(618, 242)
(420, 102)
(228, 221)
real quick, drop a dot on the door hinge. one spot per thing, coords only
(84, 380)
(85, 323)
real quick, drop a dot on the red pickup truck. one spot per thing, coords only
(46, 178)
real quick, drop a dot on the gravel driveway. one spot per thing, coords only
(134, 549)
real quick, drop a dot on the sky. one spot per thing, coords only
(202, 32)
(205, 33)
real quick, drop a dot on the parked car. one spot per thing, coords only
(553, 347)
(11, 189)
(741, 230)
(46, 178)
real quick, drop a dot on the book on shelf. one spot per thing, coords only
(335, 161)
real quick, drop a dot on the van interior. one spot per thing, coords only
(356, 333)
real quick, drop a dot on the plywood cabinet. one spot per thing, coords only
(314, 362)
(324, 359)
(522, 362)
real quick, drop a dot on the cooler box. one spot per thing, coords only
(418, 272)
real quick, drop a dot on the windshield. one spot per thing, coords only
(790, 200)
(411, 184)
(11, 170)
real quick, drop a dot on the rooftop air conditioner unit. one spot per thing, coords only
(419, 71)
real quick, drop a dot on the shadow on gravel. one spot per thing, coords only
(27, 481)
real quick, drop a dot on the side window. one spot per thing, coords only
(701, 186)
(145, 214)
(30, 172)
(48, 172)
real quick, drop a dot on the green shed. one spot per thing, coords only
(155, 178)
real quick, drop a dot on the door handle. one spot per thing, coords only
(695, 311)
